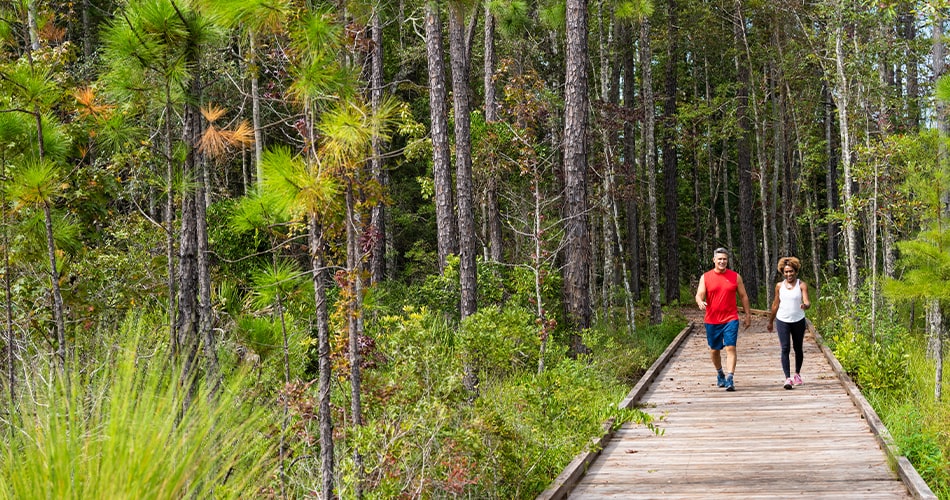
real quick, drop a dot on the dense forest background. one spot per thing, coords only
(421, 249)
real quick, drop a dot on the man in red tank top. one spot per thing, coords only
(716, 295)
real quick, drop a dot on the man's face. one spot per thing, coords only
(721, 261)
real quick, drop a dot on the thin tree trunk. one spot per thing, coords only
(87, 42)
(459, 55)
(377, 222)
(170, 263)
(205, 314)
(747, 260)
(842, 96)
(32, 26)
(353, 312)
(577, 230)
(935, 344)
(629, 167)
(831, 183)
(256, 104)
(8, 308)
(670, 173)
(649, 149)
(447, 226)
(324, 364)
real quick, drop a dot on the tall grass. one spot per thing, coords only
(118, 431)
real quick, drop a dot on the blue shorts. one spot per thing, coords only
(725, 334)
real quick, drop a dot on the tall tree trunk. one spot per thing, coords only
(577, 231)
(169, 227)
(629, 167)
(447, 226)
(354, 310)
(32, 26)
(8, 323)
(60, 322)
(842, 96)
(746, 215)
(459, 44)
(205, 316)
(670, 173)
(254, 70)
(324, 363)
(493, 215)
(378, 229)
(935, 344)
(188, 275)
(831, 181)
(649, 150)
(88, 45)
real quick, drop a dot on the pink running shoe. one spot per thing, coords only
(788, 383)
(797, 379)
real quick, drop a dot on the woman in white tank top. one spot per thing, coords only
(788, 315)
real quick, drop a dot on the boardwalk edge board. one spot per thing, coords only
(568, 478)
(908, 474)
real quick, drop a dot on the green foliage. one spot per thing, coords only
(500, 341)
(895, 375)
(879, 365)
(925, 262)
(118, 432)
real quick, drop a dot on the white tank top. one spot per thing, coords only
(790, 303)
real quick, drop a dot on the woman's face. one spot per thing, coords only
(789, 273)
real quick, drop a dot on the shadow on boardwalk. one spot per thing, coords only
(761, 441)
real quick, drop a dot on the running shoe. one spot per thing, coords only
(788, 383)
(730, 386)
(721, 379)
(797, 379)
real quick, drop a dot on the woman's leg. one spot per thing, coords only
(783, 337)
(798, 340)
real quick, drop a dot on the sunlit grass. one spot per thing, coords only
(118, 431)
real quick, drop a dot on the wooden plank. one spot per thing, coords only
(814, 440)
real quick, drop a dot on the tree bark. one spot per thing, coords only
(446, 224)
(831, 182)
(577, 231)
(254, 69)
(493, 216)
(459, 50)
(629, 167)
(377, 222)
(842, 96)
(670, 173)
(746, 225)
(324, 364)
(649, 149)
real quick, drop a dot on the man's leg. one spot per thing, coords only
(716, 356)
(730, 359)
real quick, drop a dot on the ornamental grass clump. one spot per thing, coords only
(119, 430)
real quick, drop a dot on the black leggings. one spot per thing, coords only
(796, 331)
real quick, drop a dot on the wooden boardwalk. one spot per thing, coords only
(761, 441)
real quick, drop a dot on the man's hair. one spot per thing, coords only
(720, 250)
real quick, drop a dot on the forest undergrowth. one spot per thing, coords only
(890, 365)
(117, 420)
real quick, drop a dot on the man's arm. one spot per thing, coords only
(701, 294)
(745, 302)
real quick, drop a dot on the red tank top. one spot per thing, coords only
(721, 296)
